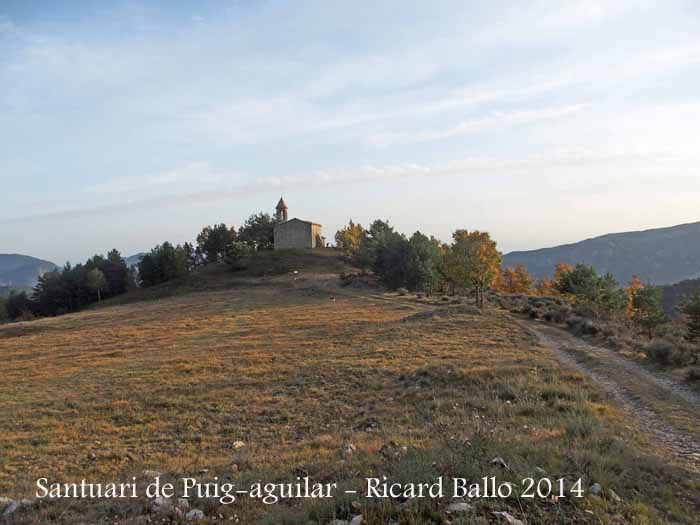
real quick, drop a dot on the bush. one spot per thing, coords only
(693, 375)
(662, 351)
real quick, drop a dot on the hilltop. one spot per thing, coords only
(659, 256)
(22, 271)
(279, 372)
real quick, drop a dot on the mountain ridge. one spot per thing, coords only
(22, 271)
(658, 255)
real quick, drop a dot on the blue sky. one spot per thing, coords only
(124, 124)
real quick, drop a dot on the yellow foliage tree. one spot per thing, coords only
(349, 239)
(560, 271)
(634, 285)
(473, 262)
(545, 286)
(514, 280)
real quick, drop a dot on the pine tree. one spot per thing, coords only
(691, 309)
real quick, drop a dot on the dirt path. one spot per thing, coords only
(669, 412)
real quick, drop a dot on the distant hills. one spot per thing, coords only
(22, 271)
(659, 256)
(133, 260)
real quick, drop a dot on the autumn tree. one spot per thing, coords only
(561, 270)
(349, 239)
(545, 287)
(473, 262)
(515, 280)
(634, 285)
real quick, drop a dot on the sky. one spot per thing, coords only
(126, 124)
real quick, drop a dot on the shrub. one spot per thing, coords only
(661, 351)
(693, 375)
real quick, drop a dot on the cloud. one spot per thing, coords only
(489, 123)
(197, 183)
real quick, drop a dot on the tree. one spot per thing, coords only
(116, 273)
(19, 305)
(164, 263)
(258, 231)
(601, 294)
(3, 310)
(515, 280)
(473, 262)
(374, 243)
(97, 282)
(213, 242)
(237, 253)
(634, 285)
(425, 260)
(349, 239)
(691, 310)
(545, 287)
(561, 270)
(648, 314)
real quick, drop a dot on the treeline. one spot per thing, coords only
(420, 263)
(214, 244)
(593, 304)
(70, 288)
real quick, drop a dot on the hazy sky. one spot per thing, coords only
(542, 122)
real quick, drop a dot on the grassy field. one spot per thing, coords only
(335, 383)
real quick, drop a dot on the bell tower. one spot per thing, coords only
(281, 211)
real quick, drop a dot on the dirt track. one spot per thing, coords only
(666, 410)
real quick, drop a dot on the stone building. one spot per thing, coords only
(295, 233)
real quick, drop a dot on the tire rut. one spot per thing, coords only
(635, 389)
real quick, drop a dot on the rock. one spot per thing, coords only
(595, 489)
(4, 502)
(540, 471)
(613, 496)
(152, 473)
(356, 520)
(16, 504)
(183, 503)
(499, 461)
(339, 522)
(459, 506)
(194, 515)
(203, 471)
(11, 508)
(91, 456)
(160, 504)
(237, 445)
(356, 505)
(509, 518)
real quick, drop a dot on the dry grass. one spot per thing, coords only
(297, 369)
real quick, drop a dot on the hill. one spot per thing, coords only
(133, 260)
(22, 271)
(281, 373)
(659, 256)
(674, 295)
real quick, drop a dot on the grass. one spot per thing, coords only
(298, 369)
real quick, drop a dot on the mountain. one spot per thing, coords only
(659, 256)
(674, 295)
(133, 260)
(22, 271)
